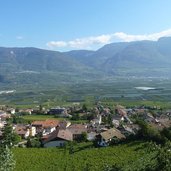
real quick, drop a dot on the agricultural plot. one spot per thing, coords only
(132, 156)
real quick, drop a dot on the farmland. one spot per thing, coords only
(107, 91)
(132, 156)
(38, 117)
(31, 118)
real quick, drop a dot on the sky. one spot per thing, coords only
(65, 25)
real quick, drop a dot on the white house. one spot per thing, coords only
(45, 127)
(97, 121)
(25, 131)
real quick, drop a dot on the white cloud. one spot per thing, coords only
(80, 42)
(56, 44)
(87, 42)
(155, 36)
(19, 37)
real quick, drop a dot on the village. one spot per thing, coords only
(102, 125)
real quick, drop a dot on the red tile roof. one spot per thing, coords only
(46, 123)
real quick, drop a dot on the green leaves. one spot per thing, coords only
(10, 138)
(136, 156)
(164, 157)
(7, 162)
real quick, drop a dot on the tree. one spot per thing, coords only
(91, 116)
(161, 161)
(71, 147)
(164, 158)
(75, 117)
(17, 110)
(33, 143)
(166, 132)
(83, 137)
(109, 120)
(40, 108)
(10, 138)
(29, 144)
(148, 132)
(7, 162)
(84, 108)
(17, 119)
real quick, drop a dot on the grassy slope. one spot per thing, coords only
(55, 159)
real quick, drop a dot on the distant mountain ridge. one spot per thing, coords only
(142, 58)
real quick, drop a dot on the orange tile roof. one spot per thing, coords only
(46, 123)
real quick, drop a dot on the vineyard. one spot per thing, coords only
(131, 156)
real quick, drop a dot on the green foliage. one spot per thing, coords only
(108, 92)
(7, 162)
(84, 107)
(166, 132)
(18, 120)
(109, 120)
(10, 138)
(135, 155)
(91, 116)
(164, 158)
(82, 138)
(112, 168)
(75, 117)
(71, 148)
(34, 142)
(148, 132)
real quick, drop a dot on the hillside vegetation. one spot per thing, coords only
(131, 156)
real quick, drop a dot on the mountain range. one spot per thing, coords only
(140, 58)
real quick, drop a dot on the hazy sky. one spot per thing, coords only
(81, 24)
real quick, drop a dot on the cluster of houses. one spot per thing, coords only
(55, 133)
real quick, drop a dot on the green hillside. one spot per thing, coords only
(134, 156)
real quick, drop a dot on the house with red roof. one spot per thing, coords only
(48, 126)
(45, 127)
